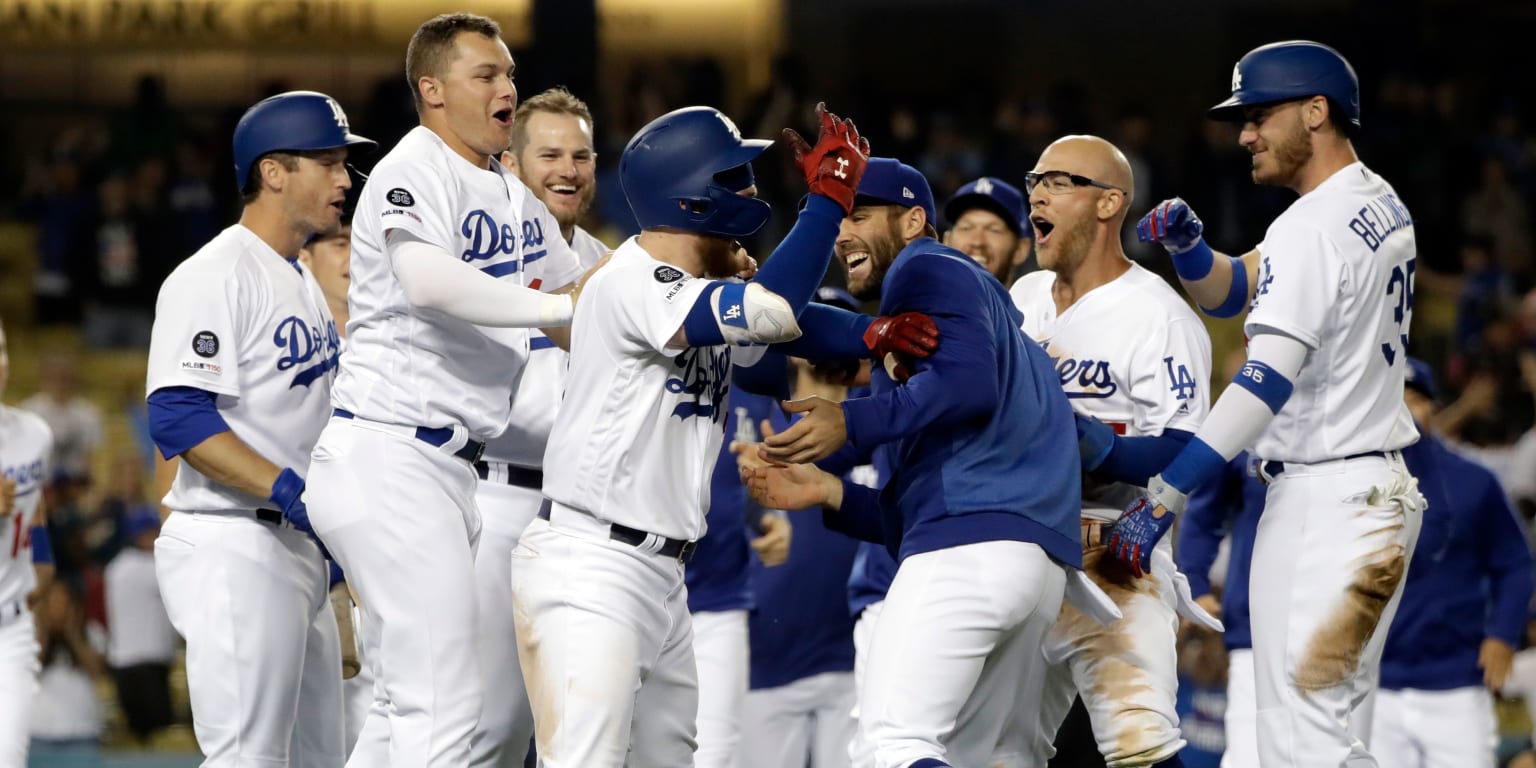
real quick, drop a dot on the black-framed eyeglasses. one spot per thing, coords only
(1061, 182)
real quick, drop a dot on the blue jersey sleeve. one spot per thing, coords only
(1509, 565)
(1213, 503)
(959, 382)
(859, 515)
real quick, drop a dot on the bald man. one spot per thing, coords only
(1134, 361)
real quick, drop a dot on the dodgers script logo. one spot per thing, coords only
(26, 476)
(1093, 377)
(703, 375)
(486, 238)
(302, 343)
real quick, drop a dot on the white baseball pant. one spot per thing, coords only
(722, 655)
(1242, 704)
(1332, 551)
(399, 515)
(506, 721)
(606, 646)
(263, 654)
(1126, 672)
(959, 638)
(18, 683)
(807, 722)
(1435, 729)
(861, 753)
(357, 693)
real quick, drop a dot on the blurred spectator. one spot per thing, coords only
(148, 128)
(1485, 289)
(76, 422)
(1496, 210)
(193, 205)
(59, 203)
(66, 715)
(141, 643)
(124, 499)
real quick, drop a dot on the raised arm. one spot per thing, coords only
(1221, 285)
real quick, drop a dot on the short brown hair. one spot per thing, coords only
(252, 188)
(556, 101)
(428, 52)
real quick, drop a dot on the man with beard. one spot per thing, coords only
(604, 634)
(552, 153)
(1134, 361)
(1320, 400)
(974, 445)
(987, 222)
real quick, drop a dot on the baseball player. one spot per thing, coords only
(446, 244)
(240, 366)
(1228, 505)
(1330, 298)
(1133, 360)
(328, 257)
(720, 590)
(604, 636)
(974, 447)
(800, 707)
(988, 222)
(552, 153)
(1463, 609)
(26, 564)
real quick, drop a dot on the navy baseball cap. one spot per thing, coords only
(888, 181)
(997, 196)
(1420, 378)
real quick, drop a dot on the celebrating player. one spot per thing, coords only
(604, 634)
(552, 153)
(240, 366)
(1134, 361)
(26, 564)
(445, 243)
(988, 223)
(1330, 297)
(974, 445)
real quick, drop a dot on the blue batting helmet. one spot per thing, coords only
(295, 121)
(1294, 69)
(684, 170)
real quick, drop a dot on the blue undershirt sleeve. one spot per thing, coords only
(182, 417)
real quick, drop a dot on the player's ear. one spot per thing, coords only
(913, 222)
(509, 160)
(273, 174)
(1314, 113)
(431, 91)
(1110, 203)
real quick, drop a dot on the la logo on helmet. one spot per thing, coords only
(730, 126)
(338, 115)
(1237, 78)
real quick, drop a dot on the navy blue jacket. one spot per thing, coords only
(979, 444)
(717, 576)
(1470, 577)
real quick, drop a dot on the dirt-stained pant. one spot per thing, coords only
(1328, 568)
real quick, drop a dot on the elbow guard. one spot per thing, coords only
(748, 313)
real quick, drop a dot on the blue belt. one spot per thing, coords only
(1275, 469)
(436, 437)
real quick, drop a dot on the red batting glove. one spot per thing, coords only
(835, 165)
(910, 333)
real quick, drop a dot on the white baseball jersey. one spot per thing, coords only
(1336, 273)
(239, 320)
(537, 398)
(1130, 353)
(421, 367)
(25, 443)
(639, 432)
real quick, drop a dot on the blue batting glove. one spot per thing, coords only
(1137, 532)
(1172, 224)
(1095, 440)
(288, 495)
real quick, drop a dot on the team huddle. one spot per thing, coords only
(499, 434)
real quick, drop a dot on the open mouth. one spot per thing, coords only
(563, 190)
(857, 259)
(339, 205)
(1043, 227)
(503, 116)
